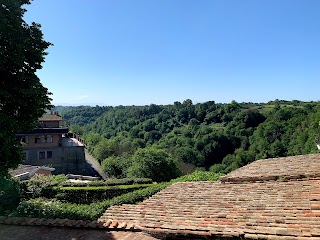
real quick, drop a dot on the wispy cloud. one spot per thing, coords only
(82, 98)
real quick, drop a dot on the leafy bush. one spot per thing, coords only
(153, 163)
(39, 185)
(60, 179)
(85, 195)
(44, 208)
(115, 166)
(10, 193)
(198, 176)
(56, 209)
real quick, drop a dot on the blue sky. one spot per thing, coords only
(124, 52)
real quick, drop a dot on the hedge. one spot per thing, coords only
(86, 195)
(110, 182)
(56, 209)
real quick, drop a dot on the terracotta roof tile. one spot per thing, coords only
(9, 232)
(50, 117)
(235, 209)
(294, 167)
(109, 224)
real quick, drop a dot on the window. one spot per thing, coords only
(25, 139)
(49, 139)
(44, 139)
(37, 140)
(42, 155)
(49, 154)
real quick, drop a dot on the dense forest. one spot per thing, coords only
(164, 141)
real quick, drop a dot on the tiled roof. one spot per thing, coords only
(60, 130)
(50, 117)
(238, 209)
(294, 167)
(242, 210)
(41, 232)
(21, 169)
(108, 225)
(268, 199)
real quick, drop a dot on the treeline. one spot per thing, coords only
(142, 141)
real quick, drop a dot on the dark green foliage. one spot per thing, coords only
(233, 161)
(116, 166)
(153, 163)
(221, 137)
(38, 186)
(85, 195)
(189, 155)
(42, 186)
(10, 193)
(56, 209)
(23, 99)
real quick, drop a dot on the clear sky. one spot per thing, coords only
(138, 52)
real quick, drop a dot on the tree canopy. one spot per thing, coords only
(23, 99)
(219, 137)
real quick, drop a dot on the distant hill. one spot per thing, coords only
(215, 136)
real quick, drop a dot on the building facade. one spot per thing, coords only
(49, 145)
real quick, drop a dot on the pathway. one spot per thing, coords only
(94, 164)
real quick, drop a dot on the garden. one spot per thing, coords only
(56, 197)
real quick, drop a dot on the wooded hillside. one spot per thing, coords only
(219, 137)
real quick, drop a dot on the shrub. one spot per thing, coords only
(199, 176)
(153, 163)
(56, 209)
(10, 193)
(44, 208)
(115, 166)
(85, 195)
(39, 185)
(59, 179)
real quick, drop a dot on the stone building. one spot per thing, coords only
(49, 145)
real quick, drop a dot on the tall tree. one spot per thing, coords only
(153, 163)
(23, 99)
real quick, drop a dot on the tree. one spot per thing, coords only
(10, 193)
(23, 99)
(189, 155)
(115, 166)
(153, 163)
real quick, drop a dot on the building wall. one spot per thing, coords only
(63, 159)
(32, 141)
